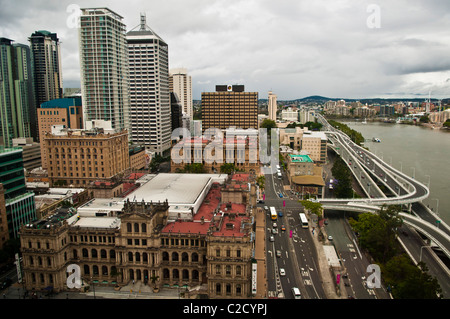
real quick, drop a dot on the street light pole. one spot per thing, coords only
(414, 172)
(437, 205)
(429, 181)
(420, 259)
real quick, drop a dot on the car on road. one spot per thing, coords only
(283, 228)
(280, 214)
(274, 225)
(278, 253)
(281, 195)
(274, 231)
(271, 238)
(330, 237)
(266, 208)
(296, 293)
(282, 272)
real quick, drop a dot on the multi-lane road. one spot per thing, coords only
(296, 251)
(292, 256)
(370, 172)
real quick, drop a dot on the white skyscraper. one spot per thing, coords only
(104, 67)
(181, 84)
(272, 106)
(150, 115)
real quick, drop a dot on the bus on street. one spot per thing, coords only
(303, 220)
(273, 213)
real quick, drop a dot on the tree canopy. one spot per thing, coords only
(313, 207)
(377, 232)
(341, 172)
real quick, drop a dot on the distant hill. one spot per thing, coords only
(323, 99)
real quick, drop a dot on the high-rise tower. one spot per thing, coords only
(16, 91)
(104, 67)
(47, 70)
(150, 115)
(272, 107)
(181, 84)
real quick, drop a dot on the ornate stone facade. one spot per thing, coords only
(213, 251)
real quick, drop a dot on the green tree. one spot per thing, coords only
(377, 232)
(195, 168)
(269, 125)
(313, 207)
(409, 281)
(261, 180)
(354, 135)
(228, 168)
(341, 172)
(424, 119)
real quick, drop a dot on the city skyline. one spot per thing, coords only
(326, 48)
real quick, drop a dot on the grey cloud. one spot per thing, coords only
(296, 48)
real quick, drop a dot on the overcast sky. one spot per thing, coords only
(296, 48)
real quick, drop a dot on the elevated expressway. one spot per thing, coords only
(369, 171)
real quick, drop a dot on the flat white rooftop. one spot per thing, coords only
(98, 222)
(99, 205)
(330, 253)
(176, 188)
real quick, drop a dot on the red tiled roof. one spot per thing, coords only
(206, 211)
(241, 177)
(135, 175)
(235, 208)
(186, 227)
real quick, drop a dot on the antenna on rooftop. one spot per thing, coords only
(143, 21)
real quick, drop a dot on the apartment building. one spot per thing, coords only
(47, 69)
(79, 157)
(65, 111)
(104, 67)
(315, 144)
(229, 106)
(272, 106)
(181, 84)
(17, 104)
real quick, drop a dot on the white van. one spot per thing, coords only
(296, 293)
